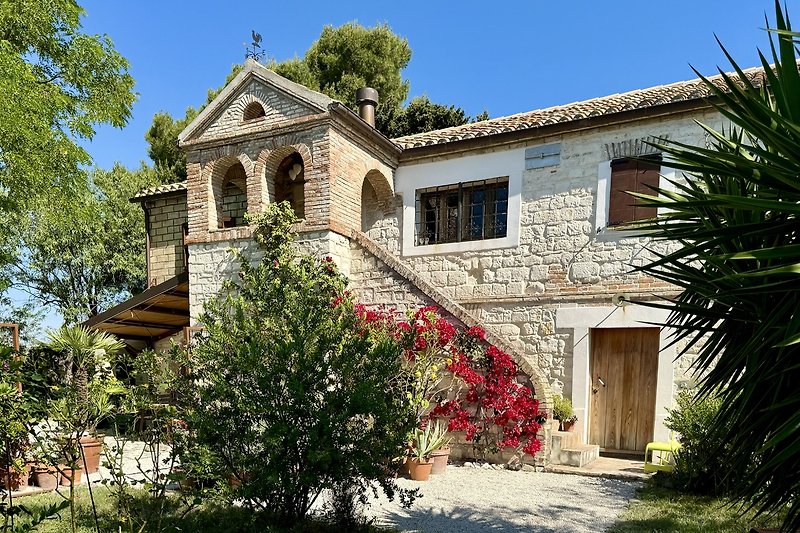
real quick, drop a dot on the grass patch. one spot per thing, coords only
(664, 510)
(208, 517)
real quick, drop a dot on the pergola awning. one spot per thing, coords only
(159, 312)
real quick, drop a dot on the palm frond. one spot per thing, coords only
(736, 219)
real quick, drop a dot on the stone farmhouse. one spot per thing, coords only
(518, 224)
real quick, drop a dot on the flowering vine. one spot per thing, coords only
(453, 374)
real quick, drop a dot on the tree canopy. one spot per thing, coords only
(84, 250)
(56, 85)
(337, 64)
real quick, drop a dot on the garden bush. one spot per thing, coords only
(292, 391)
(701, 464)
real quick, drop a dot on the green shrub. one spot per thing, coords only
(293, 392)
(700, 465)
(562, 408)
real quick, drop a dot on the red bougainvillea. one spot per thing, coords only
(455, 375)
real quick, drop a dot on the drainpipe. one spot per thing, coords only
(147, 240)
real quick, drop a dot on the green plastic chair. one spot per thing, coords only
(665, 451)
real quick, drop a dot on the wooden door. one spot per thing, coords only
(623, 366)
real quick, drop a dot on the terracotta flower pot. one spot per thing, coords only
(13, 479)
(45, 477)
(419, 469)
(566, 425)
(440, 458)
(402, 469)
(91, 447)
(66, 474)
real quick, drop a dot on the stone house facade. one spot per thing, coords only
(511, 223)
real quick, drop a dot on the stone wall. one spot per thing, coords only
(375, 283)
(560, 260)
(210, 265)
(166, 217)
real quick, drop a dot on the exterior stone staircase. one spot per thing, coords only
(566, 449)
(541, 386)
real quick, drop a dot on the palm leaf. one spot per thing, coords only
(736, 220)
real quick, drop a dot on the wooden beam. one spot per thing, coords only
(140, 324)
(162, 310)
(151, 293)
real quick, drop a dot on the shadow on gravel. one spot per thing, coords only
(568, 511)
(567, 517)
(462, 520)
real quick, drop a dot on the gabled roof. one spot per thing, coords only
(254, 69)
(683, 91)
(159, 190)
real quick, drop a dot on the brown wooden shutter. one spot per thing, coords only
(629, 175)
(646, 180)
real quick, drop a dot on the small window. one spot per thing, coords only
(471, 211)
(632, 175)
(253, 111)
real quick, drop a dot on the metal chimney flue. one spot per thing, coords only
(367, 100)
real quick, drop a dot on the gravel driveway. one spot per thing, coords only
(475, 500)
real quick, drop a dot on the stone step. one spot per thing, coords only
(567, 439)
(579, 456)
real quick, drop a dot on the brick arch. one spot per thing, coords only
(267, 163)
(252, 111)
(382, 186)
(216, 182)
(237, 108)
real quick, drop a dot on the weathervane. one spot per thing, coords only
(254, 49)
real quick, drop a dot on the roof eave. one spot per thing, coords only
(139, 199)
(350, 118)
(513, 137)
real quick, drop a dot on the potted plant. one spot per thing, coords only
(101, 393)
(14, 443)
(563, 412)
(15, 475)
(441, 455)
(45, 476)
(426, 441)
(92, 386)
(70, 474)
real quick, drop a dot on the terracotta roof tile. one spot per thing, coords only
(159, 190)
(596, 107)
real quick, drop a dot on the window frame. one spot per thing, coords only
(461, 195)
(475, 167)
(666, 176)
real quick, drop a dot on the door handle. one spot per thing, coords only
(595, 390)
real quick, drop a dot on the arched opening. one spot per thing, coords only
(370, 208)
(253, 111)
(290, 183)
(232, 201)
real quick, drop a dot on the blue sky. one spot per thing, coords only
(504, 57)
